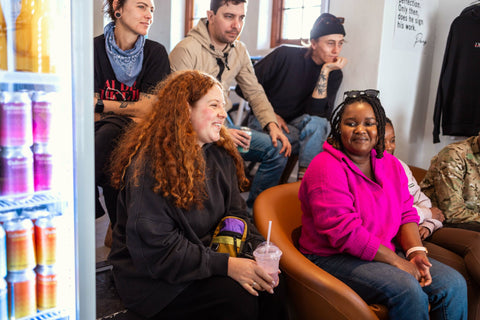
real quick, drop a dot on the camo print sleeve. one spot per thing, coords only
(453, 181)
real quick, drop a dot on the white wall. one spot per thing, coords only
(97, 17)
(362, 42)
(257, 27)
(408, 80)
(404, 81)
(168, 21)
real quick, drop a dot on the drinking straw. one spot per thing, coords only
(269, 231)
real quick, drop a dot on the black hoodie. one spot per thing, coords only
(457, 105)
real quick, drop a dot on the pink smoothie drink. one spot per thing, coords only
(268, 257)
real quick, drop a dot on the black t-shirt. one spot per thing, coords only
(155, 67)
(289, 77)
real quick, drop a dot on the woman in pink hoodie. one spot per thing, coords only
(359, 223)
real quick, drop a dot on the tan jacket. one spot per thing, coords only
(197, 52)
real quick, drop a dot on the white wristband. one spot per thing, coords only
(413, 249)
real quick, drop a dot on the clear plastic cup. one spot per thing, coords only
(268, 257)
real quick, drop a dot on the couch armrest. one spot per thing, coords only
(314, 293)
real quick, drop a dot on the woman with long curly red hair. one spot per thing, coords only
(180, 173)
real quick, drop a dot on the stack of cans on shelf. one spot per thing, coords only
(30, 251)
(42, 157)
(25, 158)
(46, 255)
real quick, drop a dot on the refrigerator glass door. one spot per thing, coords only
(43, 185)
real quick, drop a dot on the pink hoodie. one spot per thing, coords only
(346, 212)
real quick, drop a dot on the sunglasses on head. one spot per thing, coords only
(357, 93)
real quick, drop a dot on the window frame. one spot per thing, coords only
(277, 23)
(188, 15)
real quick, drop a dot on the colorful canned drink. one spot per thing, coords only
(3, 253)
(46, 240)
(7, 215)
(42, 167)
(15, 119)
(22, 294)
(46, 287)
(41, 116)
(20, 245)
(16, 172)
(3, 300)
(249, 132)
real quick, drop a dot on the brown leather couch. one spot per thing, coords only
(418, 173)
(312, 292)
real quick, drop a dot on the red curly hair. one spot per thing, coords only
(167, 142)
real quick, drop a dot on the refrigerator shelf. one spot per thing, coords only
(38, 199)
(51, 314)
(13, 81)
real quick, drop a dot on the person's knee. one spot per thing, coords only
(244, 308)
(456, 283)
(473, 246)
(407, 291)
(316, 126)
(472, 258)
(449, 284)
(273, 154)
(243, 304)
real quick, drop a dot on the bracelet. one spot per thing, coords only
(413, 249)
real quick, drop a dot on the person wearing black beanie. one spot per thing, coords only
(301, 83)
(327, 24)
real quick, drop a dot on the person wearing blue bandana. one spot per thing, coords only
(127, 68)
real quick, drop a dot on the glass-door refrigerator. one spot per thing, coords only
(47, 227)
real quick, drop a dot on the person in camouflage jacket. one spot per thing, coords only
(453, 183)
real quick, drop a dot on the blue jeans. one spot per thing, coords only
(378, 282)
(307, 135)
(272, 163)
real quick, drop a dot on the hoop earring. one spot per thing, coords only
(118, 15)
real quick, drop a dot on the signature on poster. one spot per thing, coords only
(419, 40)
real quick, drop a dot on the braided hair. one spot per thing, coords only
(335, 135)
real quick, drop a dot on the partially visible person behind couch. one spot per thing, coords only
(355, 204)
(458, 248)
(431, 218)
(453, 183)
(179, 174)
